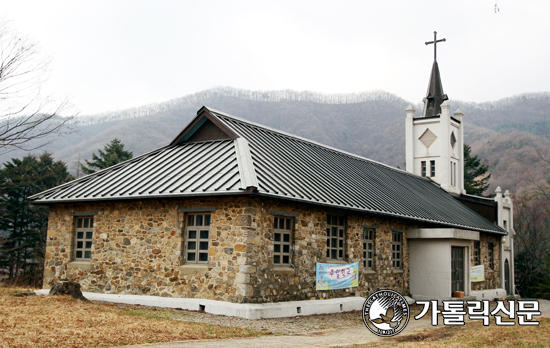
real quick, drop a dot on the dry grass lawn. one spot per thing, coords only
(61, 321)
(473, 334)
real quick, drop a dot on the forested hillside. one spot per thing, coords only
(508, 133)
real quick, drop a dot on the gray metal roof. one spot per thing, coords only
(187, 169)
(279, 165)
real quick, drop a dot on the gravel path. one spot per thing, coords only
(325, 339)
(286, 326)
(330, 330)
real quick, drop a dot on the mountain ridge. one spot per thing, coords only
(369, 124)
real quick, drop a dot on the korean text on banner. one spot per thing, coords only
(337, 276)
(477, 273)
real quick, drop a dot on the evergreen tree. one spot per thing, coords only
(24, 226)
(112, 154)
(476, 179)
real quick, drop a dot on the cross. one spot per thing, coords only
(435, 41)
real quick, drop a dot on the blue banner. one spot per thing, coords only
(337, 276)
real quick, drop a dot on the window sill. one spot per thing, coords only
(397, 270)
(283, 270)
(369, 271)
(193, 268)
(85, 265)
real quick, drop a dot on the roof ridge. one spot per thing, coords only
(312, 142)
(245, 163)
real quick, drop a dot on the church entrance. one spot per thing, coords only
(457, 269)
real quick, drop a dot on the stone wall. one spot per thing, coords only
(137, 249)
(266, 283)
(492, 276)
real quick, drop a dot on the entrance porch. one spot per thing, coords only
(440, 263)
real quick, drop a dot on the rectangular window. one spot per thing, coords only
(197, 236)
(282, 241)
(335, 237)
(505, 225)
(84, 233)
(490, 254)
(477, 253)
(432, 168)
(454, 171)
(368, 248)
(397, 249)
(423, 163)
(452, 175)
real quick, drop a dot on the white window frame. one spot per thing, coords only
(423, 169)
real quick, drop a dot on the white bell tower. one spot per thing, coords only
(435, 148)
(435, 141)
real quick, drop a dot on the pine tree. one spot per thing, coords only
(476, 178)
(24, 226)
(112, 154)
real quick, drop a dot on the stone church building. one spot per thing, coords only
(235, 211)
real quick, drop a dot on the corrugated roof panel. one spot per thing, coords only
(283, 165)
(190, 168)
(298, 169)
(163, 170)
(133, 178)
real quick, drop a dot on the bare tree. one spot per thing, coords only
(532, 225)
(532, 242)
(541, 186)
(27, 117)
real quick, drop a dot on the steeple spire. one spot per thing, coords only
(434, 95)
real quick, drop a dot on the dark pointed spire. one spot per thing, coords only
(434, 96)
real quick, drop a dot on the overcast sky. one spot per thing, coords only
(109, 55)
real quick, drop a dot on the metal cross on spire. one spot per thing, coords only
(435, 41)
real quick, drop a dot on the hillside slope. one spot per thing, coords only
(506, 133)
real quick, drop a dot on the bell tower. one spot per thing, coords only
(434, 141)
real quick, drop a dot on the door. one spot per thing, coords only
(457, 269)
(507, 277)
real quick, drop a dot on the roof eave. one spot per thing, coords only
(119, 198)
(498, 230)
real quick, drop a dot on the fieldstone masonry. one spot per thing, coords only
(138, 246)
(492, 276)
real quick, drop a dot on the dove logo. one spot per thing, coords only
(386, 313)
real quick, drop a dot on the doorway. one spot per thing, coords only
(507, 277)
(457, 269)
